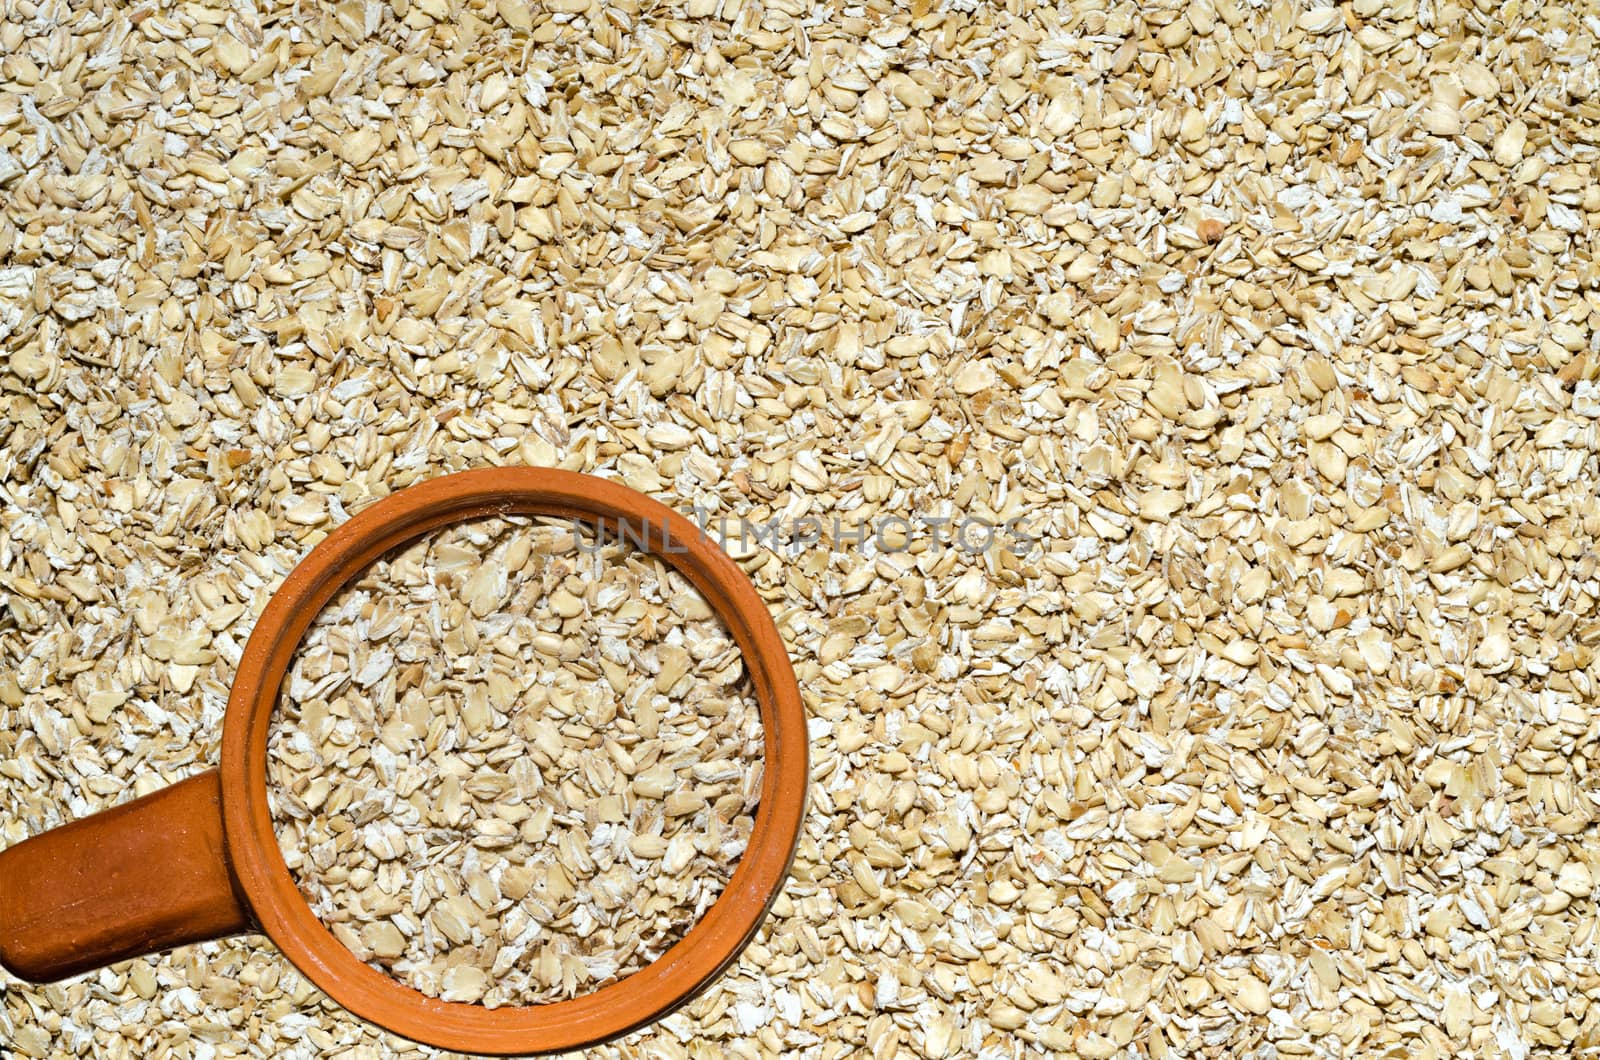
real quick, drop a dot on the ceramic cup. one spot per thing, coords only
(200, 860)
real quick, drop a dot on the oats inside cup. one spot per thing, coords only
(514, 761)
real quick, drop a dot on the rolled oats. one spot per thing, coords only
(473, 753)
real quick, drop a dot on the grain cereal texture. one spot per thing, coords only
(513, 763)
(1274, 322)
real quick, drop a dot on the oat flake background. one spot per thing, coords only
(1277, 321)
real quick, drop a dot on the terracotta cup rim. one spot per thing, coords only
(263, 879)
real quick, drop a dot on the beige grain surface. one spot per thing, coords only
(514, 762)
(1276, 321)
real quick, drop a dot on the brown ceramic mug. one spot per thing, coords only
(200, 860)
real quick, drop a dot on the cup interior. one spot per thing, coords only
(512, 762)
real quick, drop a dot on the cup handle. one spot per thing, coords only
(137, 879)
